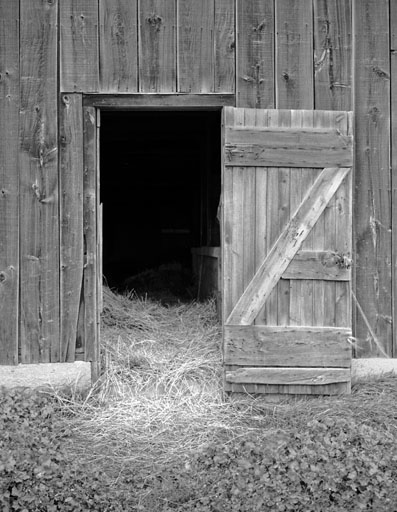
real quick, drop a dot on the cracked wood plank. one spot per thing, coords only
(260, 345)
(79, 60)
(289, 376)
(71, 219)
(333, 54)
(9, 176)
(373, 241)
(157, 46)
(118, 46)
(38, 161)
(255, 53)
(294, 54)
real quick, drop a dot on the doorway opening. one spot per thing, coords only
(160, 186)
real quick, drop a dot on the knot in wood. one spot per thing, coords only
(155, 21)
(3, 277)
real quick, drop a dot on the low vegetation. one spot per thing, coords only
(157, 434)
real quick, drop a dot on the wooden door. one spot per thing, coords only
(286, 250)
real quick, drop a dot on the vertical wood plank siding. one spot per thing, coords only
(118, 35)
(89, 333)
(157, 47)
(372, 178)
(38, 162)
(393, 138)
(79, 45)
(9, 222)
(71, 219)
(294, 54)
(255, 53)
(288, 53)
(333, 54)
(195, 46)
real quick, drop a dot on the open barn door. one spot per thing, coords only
(286, 247)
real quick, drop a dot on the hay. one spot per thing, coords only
(160, 398)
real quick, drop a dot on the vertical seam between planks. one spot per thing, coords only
(19, 256)
(138, 45)
(59, 180)
(275, 55)
(235, 7)
(391, 181)
(177, 45)
(353, 105)
(313, 59)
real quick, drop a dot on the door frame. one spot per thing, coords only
(92, 105)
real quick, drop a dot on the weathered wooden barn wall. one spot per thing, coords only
(269, 53)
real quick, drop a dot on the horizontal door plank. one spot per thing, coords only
(322, 265)
(289, 376)
(287, 245)
(287, 147)
(260, 345)
(285, 138)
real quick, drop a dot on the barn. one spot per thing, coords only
(125, 124)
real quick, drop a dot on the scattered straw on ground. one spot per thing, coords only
(160, 397)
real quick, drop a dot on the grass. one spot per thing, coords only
(160, 404)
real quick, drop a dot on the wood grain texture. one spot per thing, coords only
(372, 179)
(195, 46)
(118, 43)
(9, 178)
(79, 59)
(255, 54)
(192, 101)
(287, 245)
(393, 67)
(157, 46)
(287, 346)
(224, 46)
(39, 226)
(90, 216)
(71, 219)
(319, 265)
(294, 54)
(287, 148)
(289, 376)
(333, 54)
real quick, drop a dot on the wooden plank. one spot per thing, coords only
(333, 54)
(393, 55)
(79, 60)
(278, 392)
(287, 245)
(287, 148)
(196, 46)
(90, 291)
(324, 265)
(9, 211)
(287, 346)
(255, 53)
(157, 46)
(372, 210)
(191, 101)
(289, 376)
(38, 163)
(294, 54)
(118, 42)
(225, 46)
(71, 219)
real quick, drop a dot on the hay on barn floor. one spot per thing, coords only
(160, 397)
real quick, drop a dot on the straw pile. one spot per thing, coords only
(160, 398)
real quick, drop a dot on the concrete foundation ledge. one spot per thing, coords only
(372, 367)
(76, 374)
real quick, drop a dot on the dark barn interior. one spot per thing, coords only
(160, 188)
